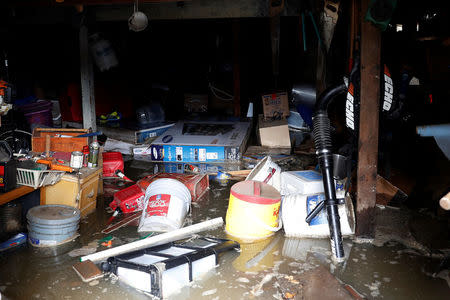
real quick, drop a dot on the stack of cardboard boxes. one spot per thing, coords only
(273, 130)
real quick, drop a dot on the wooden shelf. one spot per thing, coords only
(15, 193)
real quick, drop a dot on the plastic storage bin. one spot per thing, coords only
(38, 178)
(112, 161)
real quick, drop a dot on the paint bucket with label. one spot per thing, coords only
(52, 225)
(266, 171)
(167, 202)
(253, 211)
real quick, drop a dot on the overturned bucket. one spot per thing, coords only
(52, 225)
(253, 211)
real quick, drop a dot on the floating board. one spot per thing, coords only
(87, 270)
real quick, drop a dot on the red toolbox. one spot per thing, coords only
(112, 161)
(196, 183)
(129, 199)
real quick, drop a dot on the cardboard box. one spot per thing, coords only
(195, 103)
(275, 105)
(146, 135)
(195, 142)
(274, 134)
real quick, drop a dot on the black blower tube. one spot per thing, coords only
(322, 141)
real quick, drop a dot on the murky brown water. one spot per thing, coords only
(389, 272)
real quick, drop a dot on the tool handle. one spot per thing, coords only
(61, 168)
(44, 161)
(47, 145)
(257, 188)
(272, 171)
(315, 211)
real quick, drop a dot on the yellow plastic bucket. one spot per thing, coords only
(253, 211)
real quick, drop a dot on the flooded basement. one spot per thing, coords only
(274, 268)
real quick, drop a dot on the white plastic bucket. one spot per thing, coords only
(263, 169)
(166, 204)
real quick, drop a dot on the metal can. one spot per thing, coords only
(85, 155)
(93, 155)
(76, 160)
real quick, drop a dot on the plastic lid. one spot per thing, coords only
(53, 214)
(255, 192)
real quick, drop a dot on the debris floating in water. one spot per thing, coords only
(209, 292)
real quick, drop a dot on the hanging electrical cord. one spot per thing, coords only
(225, 96)
(15, 130)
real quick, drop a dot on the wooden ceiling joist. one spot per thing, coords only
(22, 3)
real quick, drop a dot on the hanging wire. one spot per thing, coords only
(224, 95)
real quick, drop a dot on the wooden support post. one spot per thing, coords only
(87, 81)
(275, 43)
(236, 70)
(368, 127)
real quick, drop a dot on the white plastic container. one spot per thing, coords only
(295, 208)
(166, 204)
(301, 182)
(263, 169)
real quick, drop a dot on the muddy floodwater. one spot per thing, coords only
(258, 271)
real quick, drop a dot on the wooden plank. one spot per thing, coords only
(15, 193)
(211, 9)
(368, 127)
(236, 69)
(275, 44)
(81, 2)
(87, 81)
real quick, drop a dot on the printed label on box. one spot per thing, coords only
(135, 205)
(179, 153)
(158, 205)
(202, 154)
(212, 155)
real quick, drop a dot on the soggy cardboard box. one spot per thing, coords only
(275, 105)
(273, 133)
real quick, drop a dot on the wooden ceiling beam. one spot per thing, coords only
(29, 3)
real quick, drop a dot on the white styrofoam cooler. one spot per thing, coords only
(301, 182)
(295, 208)
(301, 191)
